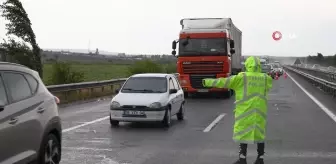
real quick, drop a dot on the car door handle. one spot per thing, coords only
(40, 110)
(13, 120)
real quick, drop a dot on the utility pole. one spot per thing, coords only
(89, 46)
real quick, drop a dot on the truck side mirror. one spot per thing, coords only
(174, 45)
(231, 44)
(174, 53)
(232, 51)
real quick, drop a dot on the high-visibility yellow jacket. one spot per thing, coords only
(251, 90)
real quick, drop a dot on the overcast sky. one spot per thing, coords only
(149, 26)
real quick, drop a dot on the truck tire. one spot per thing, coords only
(186, 95)
(225, 95)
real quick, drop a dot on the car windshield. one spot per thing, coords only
(145, 85)
(208, 46)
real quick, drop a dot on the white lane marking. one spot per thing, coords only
(96, 141)
(324, 108)
(86, 148)
(85, 124)
(207, 129)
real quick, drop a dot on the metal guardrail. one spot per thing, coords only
(91, 84)
(323, 80)
(323, 74)
(87, 90)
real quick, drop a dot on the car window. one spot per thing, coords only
(171, 84)
(145, 85)
(3, 96)
(176, 84)
(32, 82)
(18, 86)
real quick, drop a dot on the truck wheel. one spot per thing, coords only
(224, 95)
(232, 92)
(186, 95)
(227, 94)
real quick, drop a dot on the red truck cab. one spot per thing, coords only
(205, 53)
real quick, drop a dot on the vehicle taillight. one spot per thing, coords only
(57, 100)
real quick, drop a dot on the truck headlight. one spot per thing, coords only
(155, 105)
(114, 104)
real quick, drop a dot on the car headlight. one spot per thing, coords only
(155, 105)
(114, 104)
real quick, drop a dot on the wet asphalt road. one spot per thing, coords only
(299, 132)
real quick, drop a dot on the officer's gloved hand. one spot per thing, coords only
(207, 82)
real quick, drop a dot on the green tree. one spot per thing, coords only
(63, 74)
(320, 57)
(17, 52)
(20, 26)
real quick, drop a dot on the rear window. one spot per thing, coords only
(145, 85)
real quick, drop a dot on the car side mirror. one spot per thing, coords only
(116, 91)
(172, 91)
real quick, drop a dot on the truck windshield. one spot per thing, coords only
(206, 46)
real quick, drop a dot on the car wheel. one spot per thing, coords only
(114, 122)
(180, 114)
(167, 119)
(50, 151)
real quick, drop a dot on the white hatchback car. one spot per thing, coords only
(148, 97)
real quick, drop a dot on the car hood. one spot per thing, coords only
(143, 99)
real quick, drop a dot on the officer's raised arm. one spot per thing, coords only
(229, 82)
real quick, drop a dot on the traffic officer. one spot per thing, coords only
(251, 90)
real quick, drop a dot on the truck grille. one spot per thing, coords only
(196, 80)
(202, 67)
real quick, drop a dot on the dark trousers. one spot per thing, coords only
(260, 149)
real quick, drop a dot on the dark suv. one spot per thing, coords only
(30, 127)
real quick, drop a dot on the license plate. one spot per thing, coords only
(202, 90)
(134, 113)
